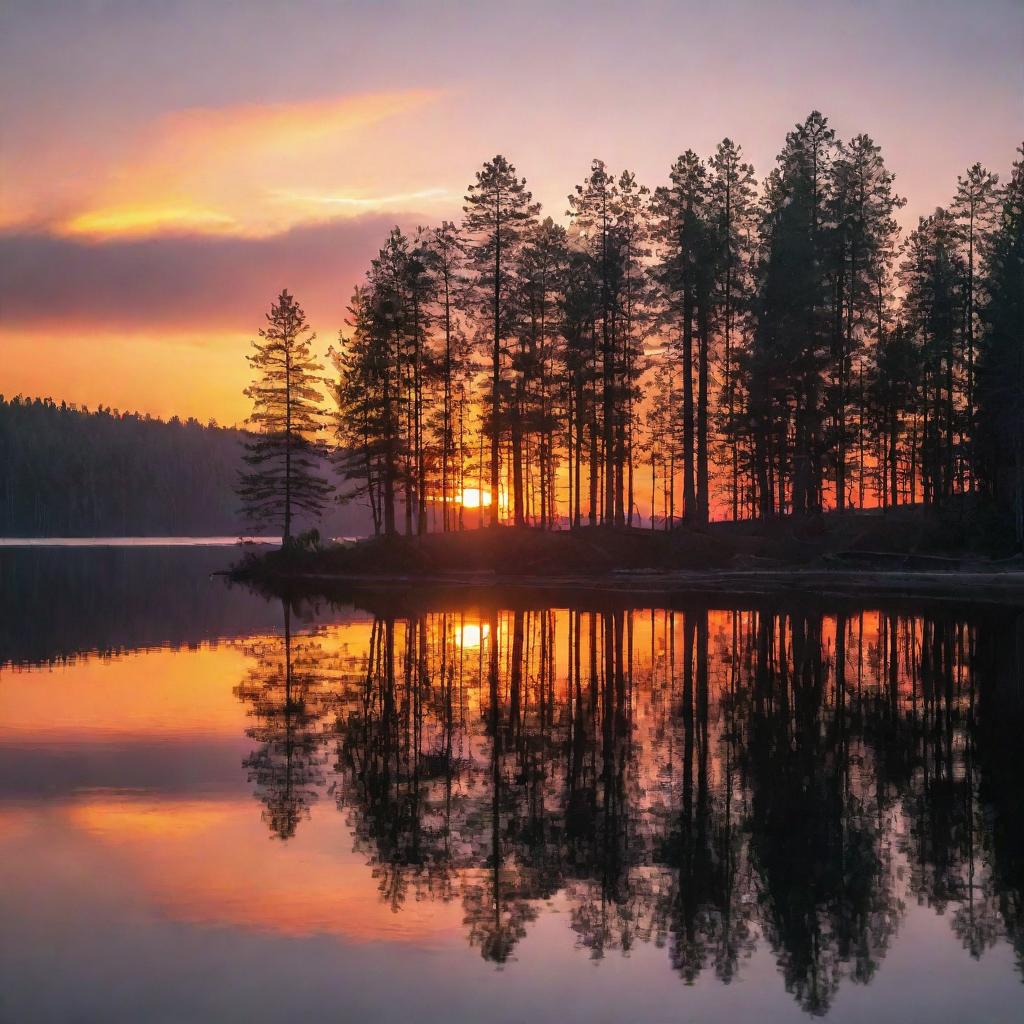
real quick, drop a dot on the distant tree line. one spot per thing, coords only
(70, 471)
(711, 348)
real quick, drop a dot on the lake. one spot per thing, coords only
(217, 806)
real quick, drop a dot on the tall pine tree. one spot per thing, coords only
(1001, 363)
(975, 206)
(284, 478)
(498, 211)
(732, 195)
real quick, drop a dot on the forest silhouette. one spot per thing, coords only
(711, 347)
(70, 471)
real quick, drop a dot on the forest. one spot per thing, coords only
(713, 348)
(67, 471)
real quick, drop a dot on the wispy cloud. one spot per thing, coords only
(359, 203)
(252, 169)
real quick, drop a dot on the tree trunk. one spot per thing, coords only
(496, 375)
(703, 482)
(689, 496)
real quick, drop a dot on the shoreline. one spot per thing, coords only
(906, 553)
(965, 586)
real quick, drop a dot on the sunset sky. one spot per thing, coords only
(166, 168)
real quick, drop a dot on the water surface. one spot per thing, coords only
(220, 807)
(133, 542)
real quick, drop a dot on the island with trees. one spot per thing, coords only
(716, 372)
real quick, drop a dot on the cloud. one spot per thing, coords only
(145, 220)
(243, 169)
(313, 203)
(185, 281)
(162, 324)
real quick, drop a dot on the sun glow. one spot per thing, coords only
(474, 497)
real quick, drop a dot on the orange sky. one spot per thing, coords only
(163, 177)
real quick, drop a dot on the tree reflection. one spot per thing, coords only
(999, 711)
(701, 780)
(816, 826)
(285, 697)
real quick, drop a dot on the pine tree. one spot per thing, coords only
(732, 198)
(284, 479)
(862, 230)
(934, 276)
(420, 287)
(397, 282)
(792, 336)
(635, 302)
(498, 211)
(1001, 358)
(680, 227)
(368, 429)
(593, 208)
(579, 314)
(975, 207)
(541, 268)
(445, 264)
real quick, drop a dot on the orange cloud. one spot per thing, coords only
(252, 169)
(144, 220)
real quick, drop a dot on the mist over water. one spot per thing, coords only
(218, 806)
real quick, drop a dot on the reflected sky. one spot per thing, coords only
(519, 814)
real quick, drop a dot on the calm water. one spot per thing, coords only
(215, 807)
(132, 542)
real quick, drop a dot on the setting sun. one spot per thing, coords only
(473, 497)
